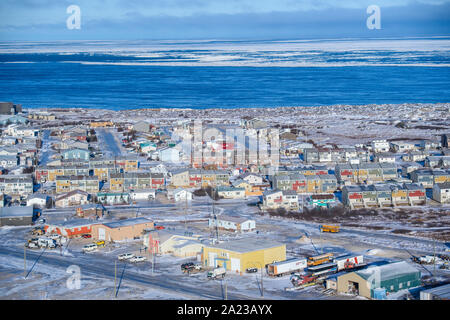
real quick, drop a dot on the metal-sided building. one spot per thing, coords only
(392, 277)
(238, 255)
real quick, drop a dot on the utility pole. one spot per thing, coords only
(115, 276)
(24, 261)
(262, 285)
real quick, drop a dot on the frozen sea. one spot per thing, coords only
(224, 74)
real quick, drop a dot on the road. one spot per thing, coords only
(108, 142)
(105, 268)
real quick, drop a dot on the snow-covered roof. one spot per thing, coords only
(389, 271)
(248, 245)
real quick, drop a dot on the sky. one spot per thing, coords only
(45, 20)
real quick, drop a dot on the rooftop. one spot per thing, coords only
(127, 222)
(248, 245)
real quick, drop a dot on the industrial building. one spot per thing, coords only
(391, 277)
(238, 255)
(436, 293)
(16, 216)
(121, 230)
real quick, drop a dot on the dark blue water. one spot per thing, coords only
(56, 84)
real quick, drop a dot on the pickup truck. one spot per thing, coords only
(216, 273)
(125, 256)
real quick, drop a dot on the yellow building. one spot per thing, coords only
(131, 165)
(238, 255)
(53, 173)
(98, 124)
(116, 182)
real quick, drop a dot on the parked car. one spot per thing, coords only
(125, 256)
(186, 266)
(90, 247)
(159, 228)
(86, 236)
(138, 259)
(251, 270)
(100, 243)
(54, 236)
(32, 245)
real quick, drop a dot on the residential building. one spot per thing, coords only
(17, 216)
(274, 199)
(72, 198)
(234, 224)
(441, 192)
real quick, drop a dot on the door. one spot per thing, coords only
(212, 259)
(101, 234)
(235, 264)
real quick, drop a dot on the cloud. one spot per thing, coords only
(194, 19)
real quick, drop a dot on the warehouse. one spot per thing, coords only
(437, 293)
(16, 216)
(238, 255)
(392, 277)
(128, 229)
(71, 228)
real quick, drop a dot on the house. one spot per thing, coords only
(229, 192)
(95, 211)
(441, 192)
(72, 198)
(400, 147)
(384, 157)
(144, 194)
(380, 146)
(39, 200)
(392, 277)
(121, 230)
(251, 178)
(274, 199)
(322, 200)
(365, 172)
(179, 194)
(113, 198)
(238, 255)
(17, 216)
(9, 161)
(234, 224)
(71, 228)
(250, 189)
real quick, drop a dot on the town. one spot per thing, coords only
(330, 202)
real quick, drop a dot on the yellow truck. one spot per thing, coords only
(328, 228)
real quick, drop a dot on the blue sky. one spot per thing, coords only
(226, 19)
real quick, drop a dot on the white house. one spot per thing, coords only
(72, 198)
(274, 199)
(235, 224)
(441, 192)
(227, 192)
(179, 194)
(38, 199)
(385, 158)
(147, 194)
(252, 178)
(380, 146)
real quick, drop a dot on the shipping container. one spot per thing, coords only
(286, 267)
